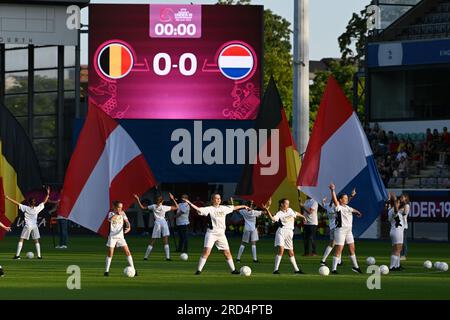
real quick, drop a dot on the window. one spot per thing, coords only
(16, 82)
(16, 59)
(412, 94)
(48, 170)
(46, 80)
(17, 104)
(44, 126)
(45, 148)
(23, 122)
(46, 57)
(69, 56)
(69, 79)
(34, 101)
(45, 103)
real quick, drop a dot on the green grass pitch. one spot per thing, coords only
(160, 279)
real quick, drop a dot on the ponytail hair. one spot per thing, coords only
(406, 196)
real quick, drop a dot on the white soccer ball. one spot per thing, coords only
(437, 265)
(184, 256)
(324, 271)
(384, 270)
(129, 272)
(427, 264)
(370, 261)
(30, 255)
(443, 266)
(245, 271)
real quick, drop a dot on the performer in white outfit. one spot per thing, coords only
(331, 214)
(160, 227)
(117, 219)
(216, 231)
(30, 228)
(250, 231)
(395, 218)
(343, 232)
(285, 218)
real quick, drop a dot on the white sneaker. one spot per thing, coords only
(57, 247)
(63, 247)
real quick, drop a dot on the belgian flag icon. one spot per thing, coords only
(115, 61)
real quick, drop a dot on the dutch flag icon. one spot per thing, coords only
(236, 61)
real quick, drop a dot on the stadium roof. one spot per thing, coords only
(410, 19)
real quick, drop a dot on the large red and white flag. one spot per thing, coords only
(106, 165)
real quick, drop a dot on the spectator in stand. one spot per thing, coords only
(376, 127)
(410, 147)
(401, 155)
(393, 144)
(402, 145)
(429, 136)
(403, 167)
(382, 137)
(436, 137)
(445, 137)
(416, 161)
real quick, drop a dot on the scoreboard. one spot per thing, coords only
(176, 61)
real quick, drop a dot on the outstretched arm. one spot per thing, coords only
(5, 227)
(13, 201)
(301, 216)
(238, 207)
(266, 209)
(357, 212)
(269, 214)
(193, 205)
(241, 207)
(47, 196)
(333, 194)
(324, 202)
(139, 201)
(175, 207)
(352, 195)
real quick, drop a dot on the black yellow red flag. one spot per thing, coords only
(19, 167)
(256, 184)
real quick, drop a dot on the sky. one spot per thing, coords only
(328, 19)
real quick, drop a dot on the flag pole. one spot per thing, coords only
(300, 109)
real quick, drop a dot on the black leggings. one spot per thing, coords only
(310, 238)
(183, 243)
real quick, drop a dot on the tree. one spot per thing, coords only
(278, 58)
(352, 44)
(277, 53)
(355, 34)
(343, 73)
